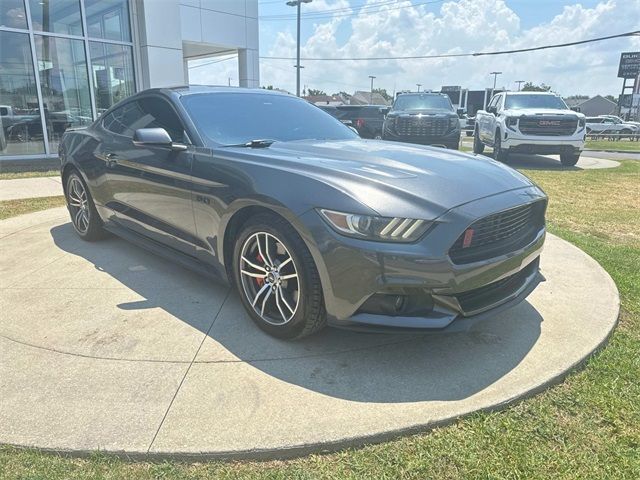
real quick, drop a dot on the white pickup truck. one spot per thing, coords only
(530, 122)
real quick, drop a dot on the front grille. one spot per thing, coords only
(499, 233)
(549, 126)
(473, 300)
(421, 126)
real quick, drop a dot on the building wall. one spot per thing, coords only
(597, 106)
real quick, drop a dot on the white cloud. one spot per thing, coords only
(463, 26)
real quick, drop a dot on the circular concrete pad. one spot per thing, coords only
(104, 346)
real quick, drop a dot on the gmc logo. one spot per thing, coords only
(549, 123)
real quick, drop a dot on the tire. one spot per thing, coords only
(498, 153)
(287, 308)
(478, 146)
(84, 217)
(453, 146)
(569, 159)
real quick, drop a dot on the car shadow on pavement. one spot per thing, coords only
(359, 367)
(537, 162)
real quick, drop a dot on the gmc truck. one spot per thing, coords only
(530, 122)
(424, 118)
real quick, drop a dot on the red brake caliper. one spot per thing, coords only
(260, 281)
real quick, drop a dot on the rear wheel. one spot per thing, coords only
(499, 153)
(277, 278)
(478, 146)
(569, 159)
(84, 216)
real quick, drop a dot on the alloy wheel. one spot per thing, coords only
(269, 278)
(78, 204)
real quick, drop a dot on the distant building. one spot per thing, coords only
(366, 98)
(594, 106)
(325, 99)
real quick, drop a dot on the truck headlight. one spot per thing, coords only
(453, 122)
(511, 123)
(581, 123)
(382, 229)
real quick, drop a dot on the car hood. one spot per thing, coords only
(540, 111)
(395, 179)
(428, 112)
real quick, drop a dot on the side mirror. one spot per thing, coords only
(155, 137)
(460, 112)
(492, 110)
(576, 109)
(385, 110)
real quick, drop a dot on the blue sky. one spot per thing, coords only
(419, 27)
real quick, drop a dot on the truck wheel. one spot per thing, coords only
(478, 146)
(499, 153)
(569, 159)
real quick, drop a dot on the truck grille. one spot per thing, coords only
(499, 233)
(472, 301)
(420, 126)
(549, 126)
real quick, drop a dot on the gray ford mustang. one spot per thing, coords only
(310, 223)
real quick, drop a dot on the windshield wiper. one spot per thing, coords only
(258, 143)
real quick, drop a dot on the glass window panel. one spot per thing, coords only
(12, 14)
(108, 19)
(112, 77)
(20, 124)
(59, 16)
(62, 67)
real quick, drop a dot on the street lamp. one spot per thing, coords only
(418, 85)
(297, 3)
(495, 77)
(519, 82)
(371, 94)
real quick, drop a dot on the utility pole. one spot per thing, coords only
(418, 85)
(371, 94)
(298, 3)
(495, 77)
(519, 82)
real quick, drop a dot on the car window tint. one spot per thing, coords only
(121, 119)
(157, 113)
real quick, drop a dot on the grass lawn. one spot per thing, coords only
(11, 208)
(586, 427)
(609, 145)
(28, 174)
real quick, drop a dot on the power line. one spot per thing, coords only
(457, 55)
(211, 63)
(351, 11)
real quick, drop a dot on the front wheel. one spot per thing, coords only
(277, 278)
(84, 216)
(569, 159)
(499, 153)
(478, 146)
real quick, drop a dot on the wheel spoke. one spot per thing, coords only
(260, 292)
(288, 260)
(253, 265)
(285, 300)
(266, 246)
(264, 301)
(85, 219)
(74, 202)
(77, 218)
(284, 317)
(254, 275)
(287, 277)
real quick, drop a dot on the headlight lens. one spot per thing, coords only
(511, 122)
(453, 122)
(383, 229)
(581, 123)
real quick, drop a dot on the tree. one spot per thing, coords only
(268, 87)
(612, 98)
(531, 87)
(383, 93)
(313, 92)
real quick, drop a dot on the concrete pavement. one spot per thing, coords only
(104, 346)
(19, 188)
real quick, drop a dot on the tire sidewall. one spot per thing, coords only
(296, 325)
(94, 231)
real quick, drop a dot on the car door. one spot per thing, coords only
(488, 126)
(150, 186)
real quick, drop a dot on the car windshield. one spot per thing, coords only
(422, 102)
(515, 102)
(236, 118)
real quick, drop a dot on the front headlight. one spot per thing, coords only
(382, 229)
(453, 122)
(581, 123)
(511, 123)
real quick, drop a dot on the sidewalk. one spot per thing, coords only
(30, 188)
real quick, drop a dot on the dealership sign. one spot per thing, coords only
(629, 65)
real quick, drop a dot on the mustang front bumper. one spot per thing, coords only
(434, 292)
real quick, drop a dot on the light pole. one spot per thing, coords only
(418, 85)
(495, 77)
(297, 3)
(519, 82)
(371, 94)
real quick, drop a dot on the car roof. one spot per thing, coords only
(184, 90)
(531, 93)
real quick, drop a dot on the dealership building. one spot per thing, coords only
(64, 62)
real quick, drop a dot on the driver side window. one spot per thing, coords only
(157, 113)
